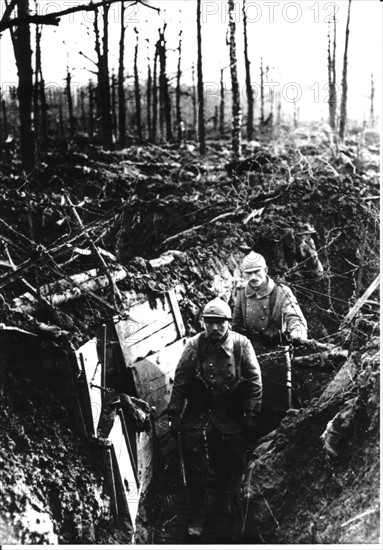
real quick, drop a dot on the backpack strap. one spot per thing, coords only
(273, 298)
(200, 343)
(237, 357)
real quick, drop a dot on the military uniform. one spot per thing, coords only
(265, 312)
(260, 313)
(219, 381)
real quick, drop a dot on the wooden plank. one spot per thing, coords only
(153, 375)
(125, 469)
(176, 313)
(150, 345)
(145, 466)
(127, 332)
(90, 372)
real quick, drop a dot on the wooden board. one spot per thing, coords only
(145, 466)
(154, 376)
(146, 330)
(125, 469)
(90, 371)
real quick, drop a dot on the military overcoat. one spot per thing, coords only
(218, 381)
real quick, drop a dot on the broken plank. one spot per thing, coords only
(176, 313)
(153, 376)
(150, 345)
(130, 332)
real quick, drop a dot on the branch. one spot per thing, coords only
(54, 18)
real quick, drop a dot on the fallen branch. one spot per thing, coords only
(196, 227)
(320, 360)
(69, 288)
(360, 302)
(360, 516)
(95, 249)
(167, 258)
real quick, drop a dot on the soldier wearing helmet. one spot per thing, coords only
(216, 397)
(268, 313)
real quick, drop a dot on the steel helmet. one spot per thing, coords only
(217, 308)
(253, 261)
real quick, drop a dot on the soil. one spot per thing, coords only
(141, 204)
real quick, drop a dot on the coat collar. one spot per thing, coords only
(263, 291)
(226, 344)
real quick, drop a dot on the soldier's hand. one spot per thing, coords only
(250, 419)
(297, 334)
(175, 422)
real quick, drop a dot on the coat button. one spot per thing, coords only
(211, 376)
(263, 318)
(229, 375)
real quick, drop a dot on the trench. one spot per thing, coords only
(49, 411)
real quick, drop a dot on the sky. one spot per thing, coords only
(290, 37)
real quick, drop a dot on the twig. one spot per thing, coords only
(95, 250)
(191, 229)
(366, 513)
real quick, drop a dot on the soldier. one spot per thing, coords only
(219, 379)
(269, 315)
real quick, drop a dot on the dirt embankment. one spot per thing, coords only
(142, 204)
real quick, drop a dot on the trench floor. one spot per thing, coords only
(174, 513)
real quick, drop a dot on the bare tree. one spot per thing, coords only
(178, 92)
(249, 89)
(331, 66)
(149, 102)
(372, 96)
(222, 104)
(68, 90)
(137, 91)
(153, 137)
(262, 119)
(121, 80)
(236, 100)
(21, 39)
(343, 104)
(201, 100)
(164, 85)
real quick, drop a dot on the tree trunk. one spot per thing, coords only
(121, 88)
(249, 89)
(155, 89)
(137, 91)
(70, 104)
(149, 103)
(5, 118)
(114, 107)
(103, 79)
(201, 104)
(194, 104)
(36, 107)
(343, 105)
(222, 105)
(164, 87)
(178, 94)
(372, 95)
(262, 119)
(83, 115)
(91, 119)
(21, 39)
(236, 100)
(332, 77)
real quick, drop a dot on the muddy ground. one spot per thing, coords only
(199, 216)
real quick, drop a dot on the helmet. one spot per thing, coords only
(217, 308)
(253, 261)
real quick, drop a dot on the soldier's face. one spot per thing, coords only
(257, 277)
(216, 328)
